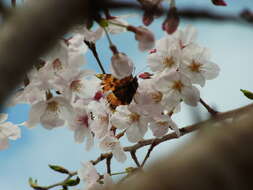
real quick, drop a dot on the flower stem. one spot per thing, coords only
(208, 108)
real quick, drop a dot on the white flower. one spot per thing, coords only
(71, 82)
(100, 123)
(7, 131)
(110, 143)
(79, 122)
(176, 87)
(186, 37)
(161, 125)
(121, 66)
(197, 67)
(166, 55)
(49, 113)
(88, 173)
(148, 99)
(134, 123)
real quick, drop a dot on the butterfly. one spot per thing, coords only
(121, 92)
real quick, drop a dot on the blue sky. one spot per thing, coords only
(231, 45)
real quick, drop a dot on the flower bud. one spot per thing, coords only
(219, 2)
(171, 22)
(144, 36)
(121, 66)
(145, 75)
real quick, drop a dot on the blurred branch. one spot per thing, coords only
(215, 159)
(28, 34)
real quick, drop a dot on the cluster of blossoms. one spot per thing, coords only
(62, 92)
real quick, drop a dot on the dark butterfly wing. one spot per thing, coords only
(126, 91)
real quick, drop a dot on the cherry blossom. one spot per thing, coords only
(88, 173)
(79, 122)
(101, 112)
(111, 143)
(50, 113)
(134, 123)
(166, 56)
(175, 87)
(7, 131)
(198, 67)
(161, 125)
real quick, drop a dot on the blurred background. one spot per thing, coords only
(231, 45)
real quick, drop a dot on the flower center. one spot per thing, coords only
(168, 62)
(178, 85)
(157, 97)
(57, 64)
(76, 85)
(52, 106)
(111, 144)
(162, 123)
(83, 120)
(134, 117)
(194, 66)
(104, 119)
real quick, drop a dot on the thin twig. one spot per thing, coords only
(208, 108)
(92, 47)
(152, 146)
(108, 164)
(101, 158)
(135, 159)
(70, 175)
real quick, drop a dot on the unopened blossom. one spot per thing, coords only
(198, 67)
(7, 131)
(121, 65)
(175, 87)
(144, 36)
(171, 23)
(134, 123)
(50, 113)
(161, 125)
(166, 56)
(219, 2)
(111, 143)
(116, 24)
(79, 122)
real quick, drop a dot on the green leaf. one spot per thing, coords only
(59, 169)
(30, 181)
(72, 182)
(103, 23)
(247, 93)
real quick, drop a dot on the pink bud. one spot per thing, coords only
(98, 95)
(121, 66)
(219, 2)
(145, 75)
(171, 22)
